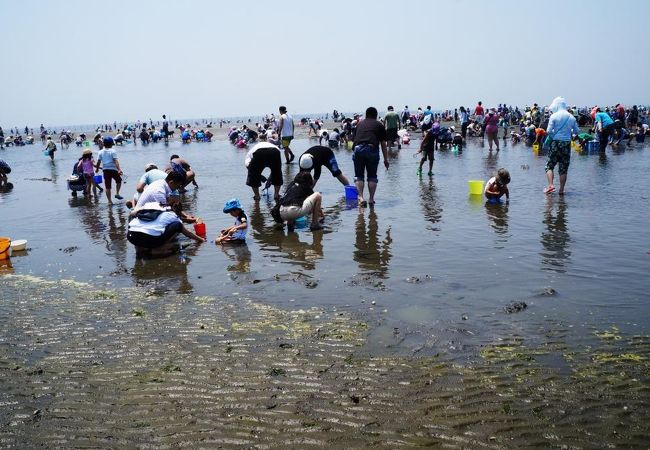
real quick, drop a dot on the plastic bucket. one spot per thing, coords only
(86, 143)
(349, 145)
(301, 222)
(5, 243)
(199, 228)
(351, 192)
(98, 179)
(475, 187)
(536, 148)
(46, 153)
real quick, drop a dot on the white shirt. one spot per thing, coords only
(251, 152)
(155, 227)
(287, 125)
(158, 191)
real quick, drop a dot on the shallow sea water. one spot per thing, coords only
(431, 259)
(387, 329)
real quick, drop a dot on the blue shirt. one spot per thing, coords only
(604, 118)
(561, 125)
(152, 175)
(107, 157)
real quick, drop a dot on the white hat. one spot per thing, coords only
(306, 161)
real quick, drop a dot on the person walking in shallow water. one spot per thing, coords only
(561, 126)
(370, 135)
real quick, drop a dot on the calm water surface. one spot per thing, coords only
(438, 264)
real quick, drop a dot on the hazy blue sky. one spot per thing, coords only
(71, 62)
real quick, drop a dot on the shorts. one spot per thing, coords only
(428, 155)
(110, 175)
(366, 161)
(265, 158)
(391, 134)
(145, 240)
(560, 153)
(331, 163)
(426, 126)
(294, 212)
(286, 140)
(333, 143)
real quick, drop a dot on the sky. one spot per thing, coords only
(75, 62)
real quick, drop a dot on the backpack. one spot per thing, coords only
(148, 215)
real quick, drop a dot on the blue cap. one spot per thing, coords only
(108, 140)
(231, 204)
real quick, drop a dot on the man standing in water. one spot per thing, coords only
(165, 128)
(392, 122)
(370, 135)
(561, 126)
(285, 130)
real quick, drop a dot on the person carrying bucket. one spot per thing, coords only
(86, 165)
(50, 147)
(111, 166)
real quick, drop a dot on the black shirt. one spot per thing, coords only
(321, 156)
(296, 194)
(370, 131)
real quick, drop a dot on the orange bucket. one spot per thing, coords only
(5, 242)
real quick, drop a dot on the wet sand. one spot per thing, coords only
(122, 368)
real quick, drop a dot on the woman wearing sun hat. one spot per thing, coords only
(86, 166)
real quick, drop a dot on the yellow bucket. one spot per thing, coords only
(536, 148)
(475, 187)
(350, 144)
(5, 243)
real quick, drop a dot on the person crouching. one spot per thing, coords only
(152, 227)
(300, 200)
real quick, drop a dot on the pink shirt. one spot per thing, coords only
(87, 166)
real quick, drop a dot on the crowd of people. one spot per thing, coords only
(157, 217)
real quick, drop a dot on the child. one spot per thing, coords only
(237, 233)
(86, 166)
(427, 147)
(497, 186)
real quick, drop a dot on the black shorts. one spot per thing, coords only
(391, 134)
(145, 240)
(263, 158)
(426, 126)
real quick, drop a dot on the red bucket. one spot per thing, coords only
(199, 228)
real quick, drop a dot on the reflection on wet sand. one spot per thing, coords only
(371, 253)
(289, 246)
(168, 273)
(555, 238)
(240, 255)
(430, 203)
(491, 160)
(497, 214)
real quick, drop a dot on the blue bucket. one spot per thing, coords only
(593, 146)
(46, 153)
(301, 222)
(98, 179)
(351, 192)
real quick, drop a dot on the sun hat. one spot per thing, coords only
(306, 162)
(87, 152)
(231, 204)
